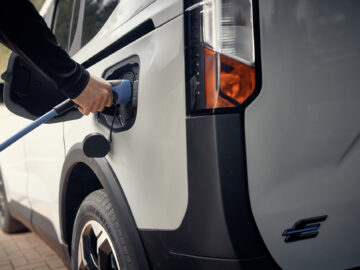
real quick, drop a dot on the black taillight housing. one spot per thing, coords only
(219, 55)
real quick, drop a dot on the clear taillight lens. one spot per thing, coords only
(228, 28)
(220, 54)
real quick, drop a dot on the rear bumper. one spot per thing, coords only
(218, 230)
(180, 261)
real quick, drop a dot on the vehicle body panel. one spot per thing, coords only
(302, 139)
(46, 145)
(160, 12)
(44, 148)
(156, 188)
(302, 131)
(13, 161)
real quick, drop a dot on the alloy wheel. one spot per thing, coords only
(96, 251)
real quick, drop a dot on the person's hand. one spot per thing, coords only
(95, 97)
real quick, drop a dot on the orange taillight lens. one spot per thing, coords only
(235, 84)
(219, 55)
(237, 80)
(212, 97)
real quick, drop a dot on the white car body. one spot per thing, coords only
(290, 173)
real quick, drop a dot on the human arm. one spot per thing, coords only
(26, 33)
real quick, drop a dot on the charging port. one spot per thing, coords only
(125, 113)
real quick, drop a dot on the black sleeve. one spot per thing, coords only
(25, 32)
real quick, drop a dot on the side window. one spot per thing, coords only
(49, 14)
(90, 16)
(74, 20)
(95, 15)
(63, 21)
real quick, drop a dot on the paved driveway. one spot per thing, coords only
(26, 251)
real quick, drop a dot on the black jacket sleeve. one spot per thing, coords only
(25, 32)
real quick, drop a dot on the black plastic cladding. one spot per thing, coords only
(194, 63)
(193, 49)
(108, 180)
(218, 223)
(138, 32)
(218, 230)
(42, 226)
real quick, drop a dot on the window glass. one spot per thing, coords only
(74, 20)
(49, 14)
(62, 22)
(95, 15)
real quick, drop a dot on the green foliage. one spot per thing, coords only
(5, 52)
(4, 56)
(37, 3)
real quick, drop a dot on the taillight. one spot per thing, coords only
(220, 54)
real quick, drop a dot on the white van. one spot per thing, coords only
(240, 148)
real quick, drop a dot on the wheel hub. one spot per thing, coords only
(96, 250)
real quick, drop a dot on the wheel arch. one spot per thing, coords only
(97, 169)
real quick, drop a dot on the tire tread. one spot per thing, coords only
(99, 204)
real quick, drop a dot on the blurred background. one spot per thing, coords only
(5, 52)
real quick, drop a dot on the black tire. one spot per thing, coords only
(96, 210)
(7, 223)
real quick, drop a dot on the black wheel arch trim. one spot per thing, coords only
(112, 187)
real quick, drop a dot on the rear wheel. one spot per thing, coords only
(97, 241)
(7, 223)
